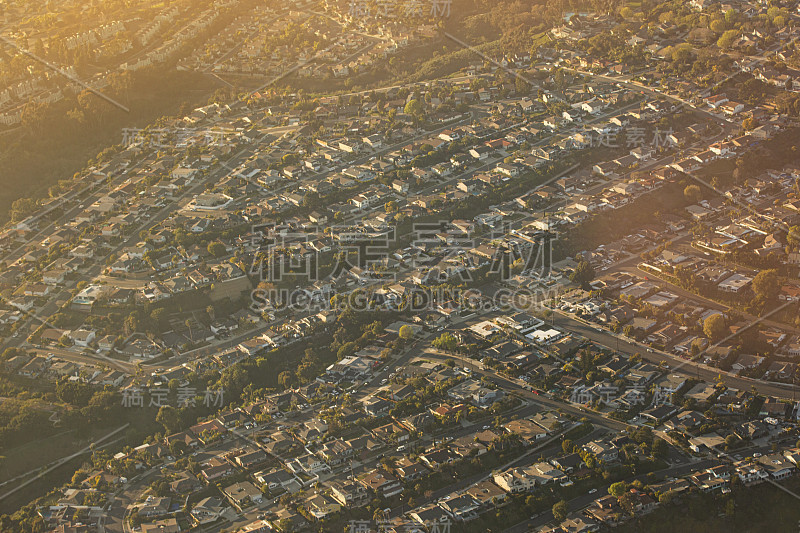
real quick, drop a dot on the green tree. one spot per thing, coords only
(160, 488)
(406, 332)
(617, 489)
(348, 348)
(217, 249)
(718, 25)
(682, 53)
(168, 417)
(312, 200)
(766, 284)
(446, 341)
(693, 193)
(413, 108)
(749, 124)
(74, 392)
(285, 379)
(659, 448)
(560, 511)
(714, 327)
(726, 39)
(793, 237)
(21, 208)
(583, 274)
(730, 507)
(666, 497)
